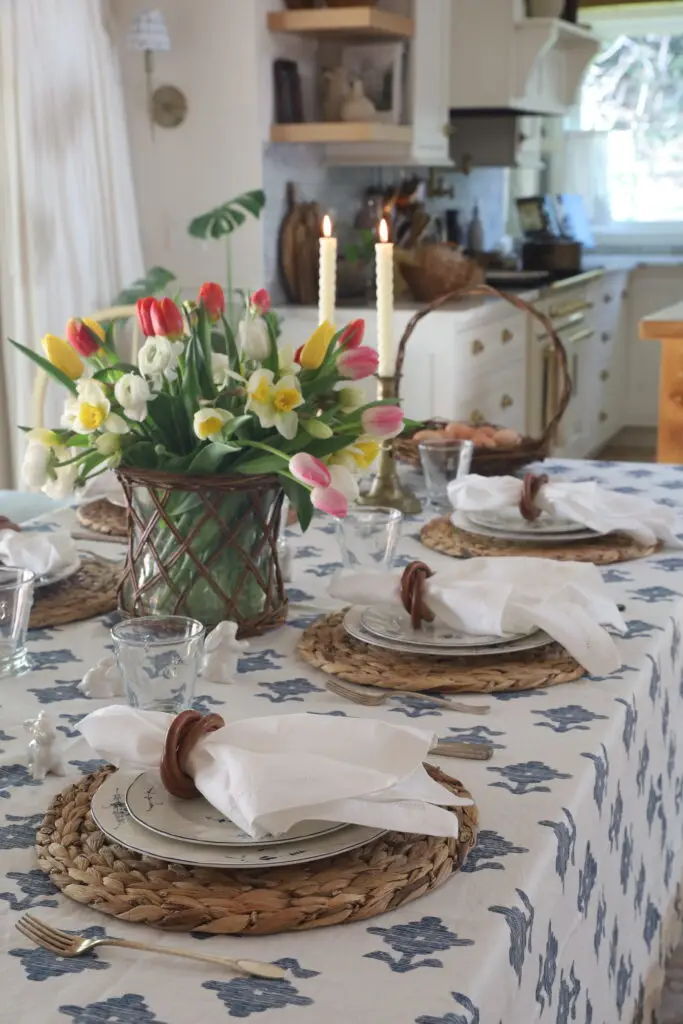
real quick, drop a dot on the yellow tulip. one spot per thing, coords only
(62, 356)
(96, 328)
(315, 349)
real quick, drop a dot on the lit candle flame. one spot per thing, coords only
(327, 227)
(383, 231)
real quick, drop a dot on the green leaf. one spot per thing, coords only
(154, 281)
(204, 336)
(231, 346)
(300, 497)
(230, 428)
(260, 464)
(272, 360)
(141, 455)
(116, 368)
(210, 458)
(225, 219)
(46, 365)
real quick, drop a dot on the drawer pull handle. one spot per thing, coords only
(580, 336)
(477, 417)
(506, 336)
(604, 375)
(603, 416)
(506, 401)
(477, 347)
(557, 312)
(605, 336)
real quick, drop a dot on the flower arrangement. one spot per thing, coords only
(205, 401)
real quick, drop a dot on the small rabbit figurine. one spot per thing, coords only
(358, 107)
(44, 755)
(103, 679)
(222, 651)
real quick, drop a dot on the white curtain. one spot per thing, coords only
(69, 237)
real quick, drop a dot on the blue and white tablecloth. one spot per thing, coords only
(564, 912)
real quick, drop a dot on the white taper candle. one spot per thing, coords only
(384, 262)
(327, 278)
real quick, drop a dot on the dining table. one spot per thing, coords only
(565, 910)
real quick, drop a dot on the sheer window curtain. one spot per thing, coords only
(69, 236)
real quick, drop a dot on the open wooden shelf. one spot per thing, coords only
(342, 131)
(365, 22)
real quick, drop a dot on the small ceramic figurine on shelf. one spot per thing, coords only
(103, 679)
(44, 755)
(358, 107)
(222, 651)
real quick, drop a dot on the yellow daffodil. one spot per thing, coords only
(90, 410)
(358, 457)
(274, 404)
(62, 356)
(208, 423)
(315, 349)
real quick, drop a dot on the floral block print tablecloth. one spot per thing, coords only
(564, 912)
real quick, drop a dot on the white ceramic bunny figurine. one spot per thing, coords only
(44, 755)
(222, 651)
(103, 679)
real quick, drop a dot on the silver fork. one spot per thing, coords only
(371, 696)
(63, 944)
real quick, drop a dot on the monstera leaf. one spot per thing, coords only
(225, 219)
(154, 281)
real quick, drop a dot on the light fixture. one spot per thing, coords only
(167, 105)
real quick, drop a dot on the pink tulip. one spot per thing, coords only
(355, 363)
(309, 470)
(352, 335)
(260, 302)
(382, 421)
(329, 500)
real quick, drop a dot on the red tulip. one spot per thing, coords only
(143, 307)
(80, 335)
(356, 363)
(214, 300)
(167, 319)
(297, 355)
(260, 302)
(352, 335)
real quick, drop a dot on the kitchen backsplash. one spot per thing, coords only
(339, 191)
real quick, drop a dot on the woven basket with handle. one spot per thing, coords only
(493, 461)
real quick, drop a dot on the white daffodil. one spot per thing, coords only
(133, 393)
(90, 410)
(61, 479)
(286, 360)
(158, 358)
(253, 338)
(221, 371)
(274, 404)
(343, 480)
(209, 422)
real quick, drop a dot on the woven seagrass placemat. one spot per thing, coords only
(354, 886)
(441, 535)
(328, 646)
(103, 517)
(89, 592)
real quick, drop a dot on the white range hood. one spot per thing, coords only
(503, 60)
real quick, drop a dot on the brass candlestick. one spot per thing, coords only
(386, 489)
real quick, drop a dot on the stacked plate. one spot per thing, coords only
(509, 524)
(389, 627)
(135, 811)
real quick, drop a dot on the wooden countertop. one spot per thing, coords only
(667, 323)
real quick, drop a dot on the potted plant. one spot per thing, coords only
(207, 434)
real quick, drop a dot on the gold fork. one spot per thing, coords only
(63, 944)
(371, 696)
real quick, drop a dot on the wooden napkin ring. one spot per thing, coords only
(412, 593)
(185, 731)
(7, 524)
(530, 488)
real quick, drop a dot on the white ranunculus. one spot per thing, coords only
(34, 468)
(110, 445)
(254, 338)
(132, 393)
(62, 479)
(158, 358)
(344, 481)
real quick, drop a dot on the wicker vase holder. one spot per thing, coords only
(205, 547)
(494, 461)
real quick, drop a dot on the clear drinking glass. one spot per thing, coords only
(368, 537)
(159, 659)
(443, 461)
(16, 599)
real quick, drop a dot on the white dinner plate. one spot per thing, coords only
(463, 522)
(354, 627)
(57, 575)
(196, 821)
(511, 520)
(111, 816)
(392, 623)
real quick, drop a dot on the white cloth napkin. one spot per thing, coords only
(585, 503)
(42, 553)
(510, 595)
(106, 486)
(267, 774)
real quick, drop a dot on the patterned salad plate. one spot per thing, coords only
(509, 524)
(354, 627)
(391, 623)
(111, 816)
(196, 821)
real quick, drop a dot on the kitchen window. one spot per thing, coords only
(622, 148)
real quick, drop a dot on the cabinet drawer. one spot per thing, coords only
(479, 349)
(496, 397)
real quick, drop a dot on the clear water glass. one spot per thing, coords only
(368, 537)
(16, 599)
(443, 461)
(159, 659)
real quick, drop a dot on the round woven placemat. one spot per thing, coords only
(103, 517)
(95, 871)
(89, 592)
(328, 646)
(441, 535)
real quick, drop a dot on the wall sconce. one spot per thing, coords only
(167, 105)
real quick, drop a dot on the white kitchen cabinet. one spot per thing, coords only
(496, 140)
(650, 288)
